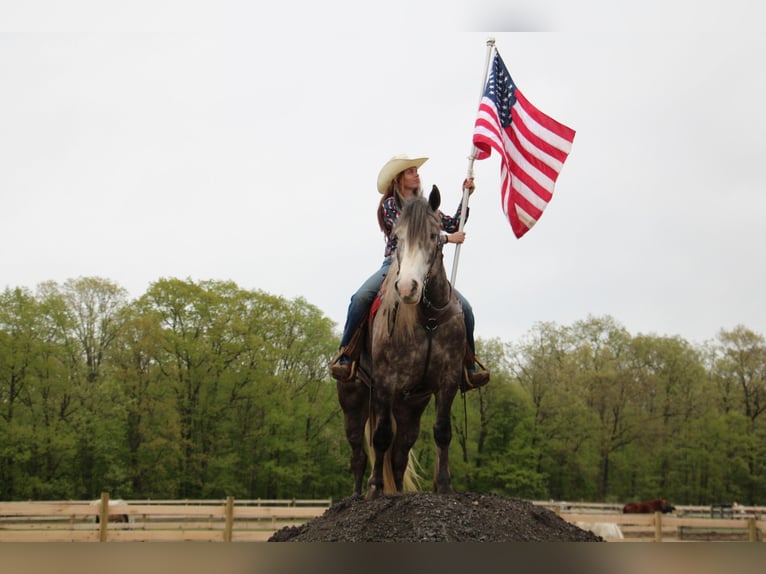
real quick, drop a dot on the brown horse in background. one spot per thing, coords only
(414, 351)
(648, 507)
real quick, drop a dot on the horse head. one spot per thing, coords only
(417, 240)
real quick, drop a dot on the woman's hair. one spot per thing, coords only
(393, 189)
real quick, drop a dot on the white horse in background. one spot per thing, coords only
(605, 530)
(125, 518)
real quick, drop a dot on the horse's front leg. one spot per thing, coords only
(409, 412)
(442, 430)
(381, 441)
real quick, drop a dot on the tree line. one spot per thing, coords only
(205, 390)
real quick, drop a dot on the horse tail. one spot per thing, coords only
(412, 479)
(413, 475)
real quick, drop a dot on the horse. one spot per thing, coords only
(605, 530)
(648, 507)
(413, 350)
(119, 518)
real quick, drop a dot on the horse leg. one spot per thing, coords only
(400, 455)
(442, 431)
(408, 415)
(353, 398)
(381, 441)
(355, 437)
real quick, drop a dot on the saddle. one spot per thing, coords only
(353, 351)
(356, 344)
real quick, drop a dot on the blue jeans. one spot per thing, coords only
(361, 303)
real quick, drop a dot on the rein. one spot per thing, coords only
(425, 301)
(430, 326)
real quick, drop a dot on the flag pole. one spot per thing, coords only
(466, 193)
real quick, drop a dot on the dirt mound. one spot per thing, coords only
(429, 517)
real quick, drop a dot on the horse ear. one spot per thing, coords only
(435, 199)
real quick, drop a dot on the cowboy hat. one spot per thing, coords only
(394, 167)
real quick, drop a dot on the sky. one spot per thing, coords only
(240, 142)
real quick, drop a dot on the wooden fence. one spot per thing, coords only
(685, 524)
(232, 520)
(149, 520)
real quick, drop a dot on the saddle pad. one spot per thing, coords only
(375, 306)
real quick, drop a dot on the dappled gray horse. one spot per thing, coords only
(414, 350)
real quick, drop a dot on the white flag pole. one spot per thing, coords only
(464, 209)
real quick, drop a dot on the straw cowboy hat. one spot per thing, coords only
(394, 167)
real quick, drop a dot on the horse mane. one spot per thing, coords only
(414, 217)
(401, 320)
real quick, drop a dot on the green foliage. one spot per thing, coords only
(204, 390)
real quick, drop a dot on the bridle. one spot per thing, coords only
(424, 300)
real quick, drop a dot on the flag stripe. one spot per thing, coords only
(532, 147)
(487, 130)
(556, 129)
(525, 201)
(519, 219)
(528, 158)
(524, 172)
(546, 151)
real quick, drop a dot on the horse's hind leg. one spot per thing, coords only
(355, 438)
(354, 405)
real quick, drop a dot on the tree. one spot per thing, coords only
(543, 364)
(670, 381)
(247, 373)
(203, 389)
(83, 317)
(151, 419)
(739, 373)
(490, 415)
(610, 392)
(19, 355)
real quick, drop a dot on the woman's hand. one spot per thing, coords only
(457, 237)
(469, 185)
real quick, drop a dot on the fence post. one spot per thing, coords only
(229, 519)
(752, 530)
(103, 517)
(658, 526)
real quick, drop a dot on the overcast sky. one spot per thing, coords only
(227, 141)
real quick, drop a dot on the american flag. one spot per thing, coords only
(532, 147)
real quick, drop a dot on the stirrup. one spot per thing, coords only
(466, 384)
(336, 362)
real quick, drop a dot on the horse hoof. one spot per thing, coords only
(373, 493)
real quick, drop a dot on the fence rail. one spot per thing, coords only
(103, 520)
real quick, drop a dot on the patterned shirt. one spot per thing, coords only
(391, 212)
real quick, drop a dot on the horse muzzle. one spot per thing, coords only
(409, 291)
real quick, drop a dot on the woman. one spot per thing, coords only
(399, 181)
